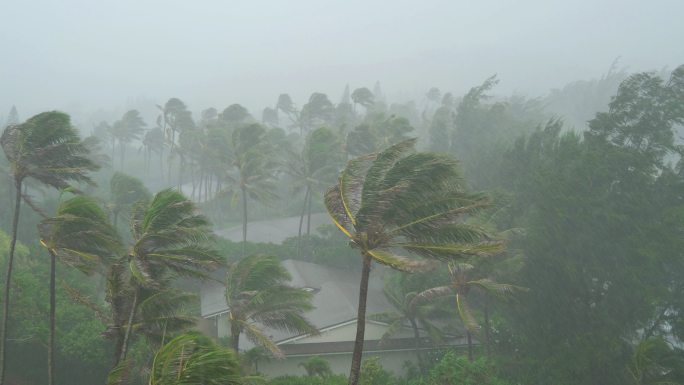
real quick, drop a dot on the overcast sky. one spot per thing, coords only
(84, 55)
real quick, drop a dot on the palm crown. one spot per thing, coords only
(257, 292)
(397, 199)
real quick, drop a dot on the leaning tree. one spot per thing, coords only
(47, 148)
(398, 199)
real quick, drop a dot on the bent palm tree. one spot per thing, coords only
(194, 359)
(460, 286)
(257, 293)
(170, 239)
(81, 236)
(46, 148)
(397, 199)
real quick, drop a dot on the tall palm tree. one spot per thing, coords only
(251, 170)
(129, 128)
(461, 285)
(153, 142)
(192, 358)
(125, 191)
(81, 236)
(257, 293)
(175, 118)
(170, 238)
(398, 199)
(46, 148)
(313, 168)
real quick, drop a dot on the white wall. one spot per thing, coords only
(339, 363)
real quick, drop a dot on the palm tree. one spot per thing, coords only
(397, 199)
(251, 169)
(153, 141)
(460, 286)
(129, 128)
(174, 118)
(286, 105)
(364, 97)
(170, 238)
(400, 295)
(46, 148)
(314, 168)
(656, 361)
(81, 236)
(257, 293)
(192, 358)
(125, 191)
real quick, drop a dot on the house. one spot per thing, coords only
(335, 299)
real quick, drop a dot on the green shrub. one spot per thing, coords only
(454, 369)
(308, 380)
(372, 373)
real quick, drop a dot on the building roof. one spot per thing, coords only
(336, 295)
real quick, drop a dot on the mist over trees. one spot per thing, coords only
(544, 231)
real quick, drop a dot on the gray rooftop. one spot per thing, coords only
(335, 299)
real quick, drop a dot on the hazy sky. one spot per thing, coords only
(84, 55)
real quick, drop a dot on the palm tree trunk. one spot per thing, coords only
(416, 337)
(244, 221)
(181, 166)
(301, 222)
(486, 322)
(123, 153)
(470, 345)
(113, 153)
(161, 164)
(211, 183)
(199, 188)
(360, 322)
(235, 337)
(173, 144)
(129, 327)
(8, 281)
(53, 306)
(194, 182)
(308, 217)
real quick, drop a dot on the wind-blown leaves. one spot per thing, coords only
(415, 201)
(80, 234)
(193, 359)
(398, 199)
(47, 148)
(258, 294)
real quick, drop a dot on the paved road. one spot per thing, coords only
(273, 230)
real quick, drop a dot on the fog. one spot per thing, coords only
(83, 56)
(329, 193)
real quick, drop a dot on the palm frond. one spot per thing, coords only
(257, 336)
(337, 211)
(448, 252)
(400, 263)
(351, 184)
(194, 359)
(430, 294)
(502, 291)
(466, 314)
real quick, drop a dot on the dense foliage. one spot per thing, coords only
(588, 288)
